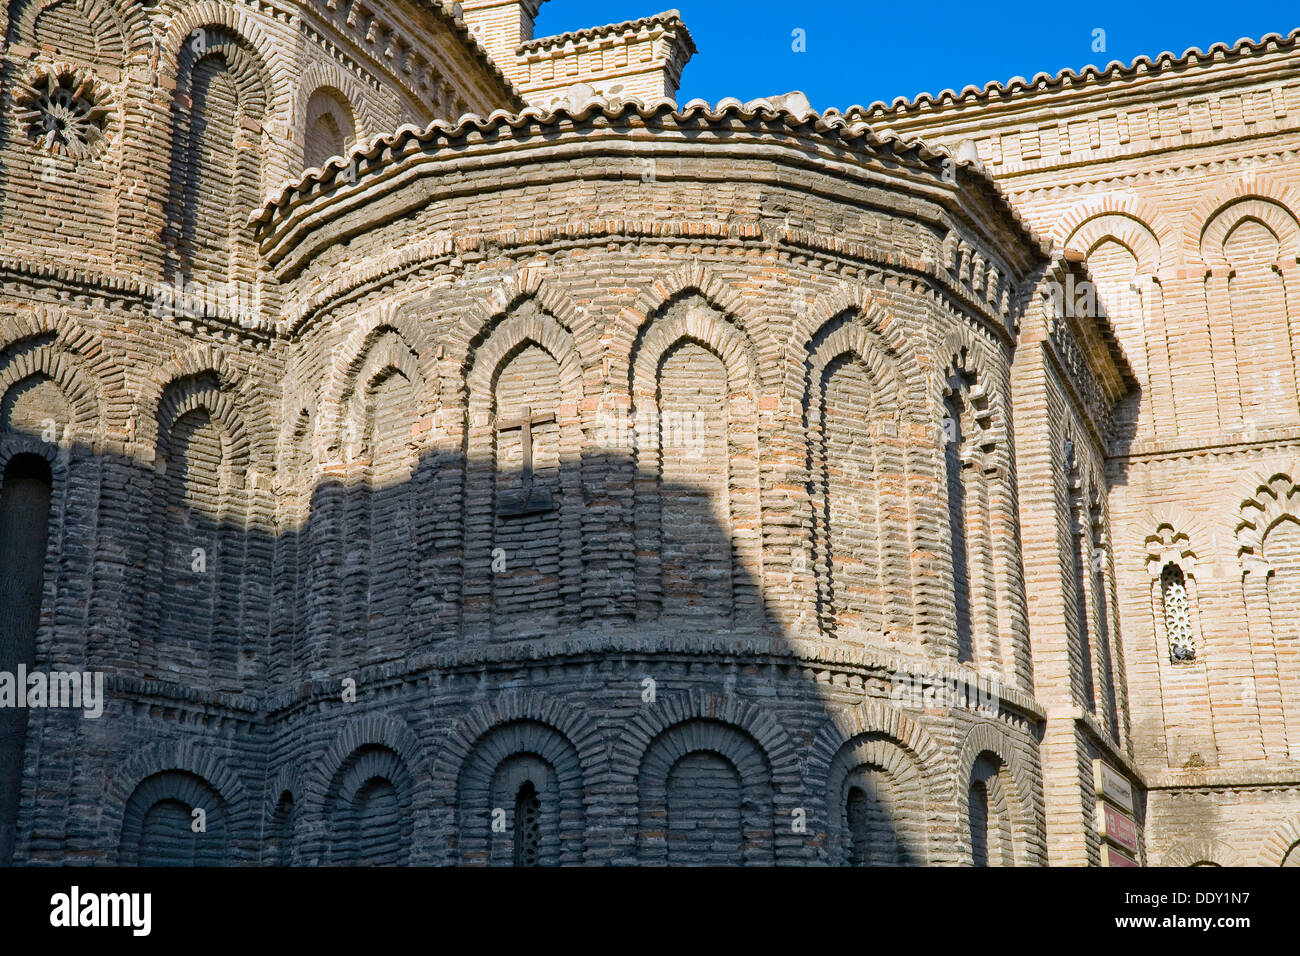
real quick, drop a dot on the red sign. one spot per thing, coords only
(1113, 857)
(1115, 826)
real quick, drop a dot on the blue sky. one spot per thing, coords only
(859, 52)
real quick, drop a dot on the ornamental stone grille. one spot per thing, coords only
(1178, 619)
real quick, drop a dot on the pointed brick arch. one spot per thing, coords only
(341, 377)
(1265, 199)
(527, 324)
(888, 338)
(720, 488)
(705, 326)
(350, 494)
(513, 331)
(1280, 220)
(1251, 289)
(386, 353)
(850, 337)
(633, 740)
(1027, 828)
(371, 732)
(466, 340)
(900, 746)
(202, 762)
(630, 324)
(1134, 222)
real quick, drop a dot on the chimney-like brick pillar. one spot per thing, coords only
(500, 26)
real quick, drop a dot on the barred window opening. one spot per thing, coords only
(1178, 620)
(528, 831)
(858, 810)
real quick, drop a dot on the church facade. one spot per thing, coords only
(424, 443)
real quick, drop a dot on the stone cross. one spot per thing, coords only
(524, 424)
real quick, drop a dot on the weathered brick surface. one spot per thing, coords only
(1178, 185)
(581, 486)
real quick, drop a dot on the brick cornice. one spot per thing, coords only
(1045, 91)
(825, 663)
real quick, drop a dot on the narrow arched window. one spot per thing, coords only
(988, 814)
(978, 806)
(378, 810)
(166, 836)
(285, 820)
(217, 150)
(528, 829)
(209, 188)
(958, 507)
(1178, 617)
(858, 811)
(24, 530)
(329, 128)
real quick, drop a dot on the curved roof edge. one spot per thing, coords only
(1115, 70)
(792, 110)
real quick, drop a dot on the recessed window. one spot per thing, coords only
(1178, 618)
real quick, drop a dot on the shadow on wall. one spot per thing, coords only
(535, 687)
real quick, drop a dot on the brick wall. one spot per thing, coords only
(641, 609)
(803, 428)
(1178, 186)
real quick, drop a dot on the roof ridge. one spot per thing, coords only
(612, 108)
(591, 33)
(790, 109)
(1115, 69)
